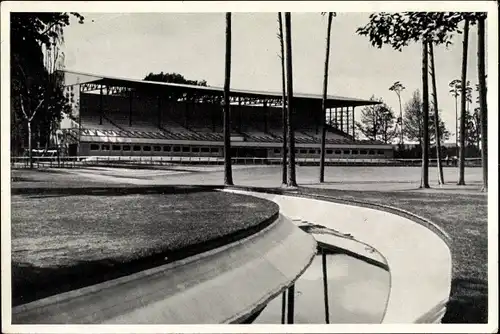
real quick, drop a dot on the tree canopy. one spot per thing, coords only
(400, 29)
(37, 98)
(378, 122)
(173, 78)
(413, 119)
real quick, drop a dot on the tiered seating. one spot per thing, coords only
(259, 136)
(196, 122)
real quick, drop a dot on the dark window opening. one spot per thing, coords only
(303, 151)
(354, 152)
(381, 152)
(363, 152)
(177, 149)
(371, 152)
(156, 148)
(277, 150)
(105, 147)
(347, 152)
(116, 147)
(94, 147)
(312, 151)
(214, 150)
(146, 148)
(185, 148)
(126, 148)
(195, 149)
(137, 148)
(338, 152)
(166, 148)
(329, 151)
(205, 149)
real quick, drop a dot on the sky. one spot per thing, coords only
(131, 45)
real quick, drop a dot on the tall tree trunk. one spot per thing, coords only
(30, 153)
(436, 116)
(425, 126)
(463, 101)
(456, 125)
(283, 98)
(228, 174)
(401, 141)
(291, 181)
(481, 71)
(323, 102)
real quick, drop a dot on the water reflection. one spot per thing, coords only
(357, 293)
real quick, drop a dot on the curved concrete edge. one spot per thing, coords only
(225, 285)
(419, 259)
(434, 315)
(391, 209)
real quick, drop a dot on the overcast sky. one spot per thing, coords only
(133, 44)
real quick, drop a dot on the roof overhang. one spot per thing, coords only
(152, 87)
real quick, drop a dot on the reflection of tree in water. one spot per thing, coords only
(468, 302)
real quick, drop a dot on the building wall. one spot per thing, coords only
(207, 150)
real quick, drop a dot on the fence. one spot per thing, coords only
(123, 161)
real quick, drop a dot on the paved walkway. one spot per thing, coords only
(419, 261)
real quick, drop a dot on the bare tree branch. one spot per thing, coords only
(36, 109)
(22, 107)
(49, 28)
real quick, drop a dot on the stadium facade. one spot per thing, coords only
(123, 117)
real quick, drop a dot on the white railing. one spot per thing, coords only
(78, 161)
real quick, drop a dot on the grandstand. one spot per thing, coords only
(123, 117)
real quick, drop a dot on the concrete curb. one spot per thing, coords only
(401, 212)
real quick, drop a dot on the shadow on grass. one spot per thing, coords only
(468, 301)
(111, 190)
(22, 179)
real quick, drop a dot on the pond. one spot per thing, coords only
(358, 292)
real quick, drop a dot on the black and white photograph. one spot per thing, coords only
(225, 167)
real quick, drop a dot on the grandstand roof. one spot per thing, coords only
(72, 78)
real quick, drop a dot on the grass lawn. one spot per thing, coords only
(465, 219)
(63, 242)
(42, 178)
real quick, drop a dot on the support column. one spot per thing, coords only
(159, 111)
(347, 121)
(186, 102)
(107, 99)
(130, 97)
(212, 112)
(336, 118)
(342, 119)
(353, 125)
(266, 127)
(100, 105)
(241, 114)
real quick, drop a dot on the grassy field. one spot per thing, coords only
(39, 178)
(61, 242)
